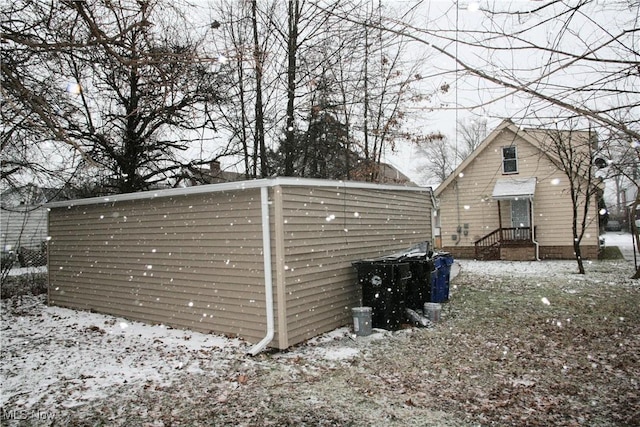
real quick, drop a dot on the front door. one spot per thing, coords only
(520, 213)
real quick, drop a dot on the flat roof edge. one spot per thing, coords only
(233, 186)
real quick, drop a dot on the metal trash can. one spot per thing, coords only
(362, 321)
(384, 282)
(432, 311)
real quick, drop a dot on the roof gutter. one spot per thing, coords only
(232, 186)
(268, 274)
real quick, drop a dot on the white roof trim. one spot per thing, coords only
(236, 185)
(514, 188)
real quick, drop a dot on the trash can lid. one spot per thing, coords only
(420, 251)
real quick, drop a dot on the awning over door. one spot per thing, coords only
(514, 188)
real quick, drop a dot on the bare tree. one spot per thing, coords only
(387, 82)
(248, 43)
(437, 151)
(472, 133)
(277, 54)
(138, 86)
(293, 31)
(574, 153)
(33, 130)
(576, 41)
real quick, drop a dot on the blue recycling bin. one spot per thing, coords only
(440, 277)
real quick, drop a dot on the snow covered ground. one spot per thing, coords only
(27, 270)
(55, 359)
(624, 241)
(618, 238)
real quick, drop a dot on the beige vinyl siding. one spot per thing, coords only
(191, 261)
(553, 214)
(23, 226)
(324, 231)
(196, 260)
(469, 197)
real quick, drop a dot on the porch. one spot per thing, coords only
(515, 243)
(510, 244)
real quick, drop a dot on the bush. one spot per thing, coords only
(8, 260)
(26, 284)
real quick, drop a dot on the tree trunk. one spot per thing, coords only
(294, 14)
(258, 57)
(578, 252)
(634, 229)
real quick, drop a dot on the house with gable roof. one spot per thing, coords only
(510, 200)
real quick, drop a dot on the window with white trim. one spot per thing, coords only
(509, 159)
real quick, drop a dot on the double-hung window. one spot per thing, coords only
(509, 159)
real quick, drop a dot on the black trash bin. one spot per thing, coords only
(384, 282)
(421, 266)
(420, 284)
(395, 282)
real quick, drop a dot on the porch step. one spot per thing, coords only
(493, 245)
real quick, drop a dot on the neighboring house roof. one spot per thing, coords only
(504, 125)
(211, 175)
(390, 174)
(33, 195)
(384, 173)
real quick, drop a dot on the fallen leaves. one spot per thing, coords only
(242, 379)
(498, 357)
(573, 362)
(95, 329)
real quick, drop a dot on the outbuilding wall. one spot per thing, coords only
(195, 260)
(192, 261)
(325, 229)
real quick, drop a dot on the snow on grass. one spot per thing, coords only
(20, 271)
(620, 239)
(62, 361)
(560, 269)
(54, 356)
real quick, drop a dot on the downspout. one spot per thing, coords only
(458, 227)
(533, 232)
(268, 276)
